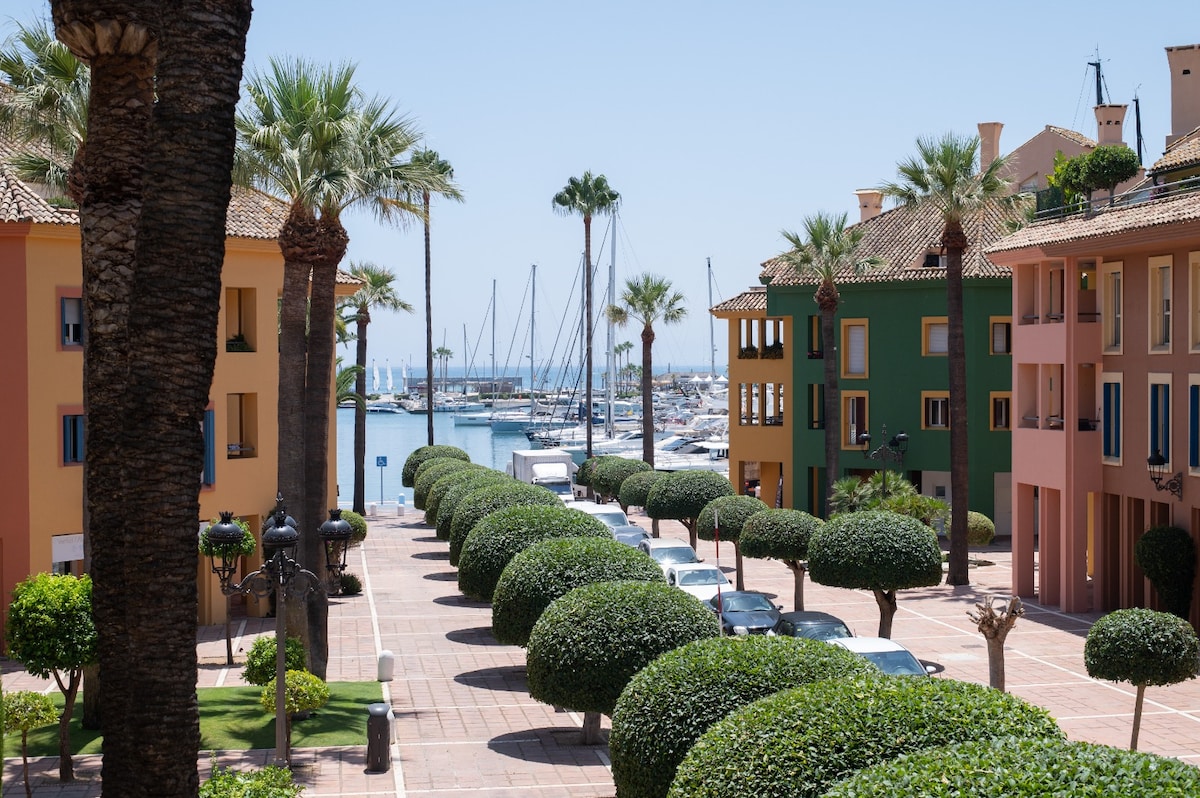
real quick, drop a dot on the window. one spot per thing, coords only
(1001, 411)
(240, 329)
(935, 410)
(1112, 307)
(1193, 425)
(208, 426)
(854, 418)
(242, 425)
(816, 405)
(1194, 297)
(1001, 335)
(814, 337)
(1160, 304)
(1160, 416)
(72, 439)
(935, 335)
(1111, 418)
(71, 314)
(854, 348)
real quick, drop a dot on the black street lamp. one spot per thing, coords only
(890, 449)
(1158, 471)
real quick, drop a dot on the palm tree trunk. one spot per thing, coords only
(359, 501)
(833, 403)
(957, 571)
(648, 394)
(429, 322)
(587, 293)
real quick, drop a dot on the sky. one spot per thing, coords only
(720, 124)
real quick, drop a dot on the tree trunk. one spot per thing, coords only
(957, 572)
(798, 573)
(737, 561)
(66, 765)
(690, 525)
(886, 599)
(1137, 716)
(591, 729)
(833, 406)
(648, 394)
(359, 500)
(25, 762)
(587, 293)
(995, 649)
(429, 322)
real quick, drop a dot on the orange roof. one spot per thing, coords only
(754, 299)
(1183, 152)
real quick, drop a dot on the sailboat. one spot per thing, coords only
(388, 368)
(374, 376)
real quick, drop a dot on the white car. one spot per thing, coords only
(887, 655)
(611, 514)
(668, 551)
(702, 581)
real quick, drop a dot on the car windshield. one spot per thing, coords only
(613, 519)
(820, 631)
(896, 663)
(706, 576)
(674, 554)
(746, 603)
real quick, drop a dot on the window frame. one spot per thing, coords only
(72, 431)
(846, 398)
(927, 397)
(1112, 302)
(992, 322)
(1158, 415)
(1193, 424)
(997, 396)
(1111, 417)
(846, 352)
(72, 296)
(1160, 290)
(928, 323)
(1194, 301)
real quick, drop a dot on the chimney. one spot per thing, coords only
(1184, 63)
(870, 203)
(989, 143)
(1109, 122)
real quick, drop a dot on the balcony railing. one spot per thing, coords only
(1050, 204)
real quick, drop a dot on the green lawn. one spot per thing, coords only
(231, 719)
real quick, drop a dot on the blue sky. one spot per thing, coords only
(720, 124)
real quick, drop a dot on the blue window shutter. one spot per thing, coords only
(1166, 421)
(1194, 426)
(1106, 421)
(1116, 419)
(1155, 431)
(210, 454)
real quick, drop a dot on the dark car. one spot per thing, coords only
(813, 625)
(745, 609)
(630, 534)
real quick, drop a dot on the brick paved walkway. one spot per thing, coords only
(465, 725)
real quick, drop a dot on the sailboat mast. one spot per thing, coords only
(532, 308)
(495, 387)
(609, 371)
(466, 365)
(712, 344)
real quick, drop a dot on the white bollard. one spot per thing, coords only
(371, 509)
(387, 665)
(400, 507)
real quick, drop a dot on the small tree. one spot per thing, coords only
(995, 626)
(781, 534)
(634, 491)
(303, 692)
(587, 645)
(260, 659)
(1167, 554)
(1109, 165)
(550, 569)
(683, 495)
(51, 632)
(611, 473)
(430, 471)
(878, 551)
(409, 474)
(731, 512)
(25, 710)
(482, 502)
(1142, 647)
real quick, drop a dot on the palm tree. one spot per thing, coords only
(647, 298)
(344, 386)
(376, 291)
(827, 251)
(622, 349)
(443, 356)
(587, 196)
(943, 176)
(431, 161)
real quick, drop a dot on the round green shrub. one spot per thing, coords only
(1017, 768)
(554, 567)
(358, 526)
(260, 659)
(636, 487)
(428, 473)
(449, 503)
(732, 512)
(611, 473)
(779, 534)
(499, 536)
(440, 488)
(270, 782)
(1167, 554)
(418, 456)
(1142, 647)
(303, 692)
(488, 499)
(980, 529)
(672, 701)
(874, 550)
(583, 475)
(798, 742)
(25, 710)
(589, 643)
(351, 585)
(684, 494)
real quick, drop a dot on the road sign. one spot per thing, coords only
(381, 462)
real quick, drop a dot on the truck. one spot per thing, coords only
(550, 468)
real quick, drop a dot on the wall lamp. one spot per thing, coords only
(1158, 471)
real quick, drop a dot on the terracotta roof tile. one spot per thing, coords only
(1072, 135)
(20, 203)
(754, 299)
(1183, 152)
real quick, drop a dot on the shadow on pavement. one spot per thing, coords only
(557, 746)
(433, 539)
(459, 601)
(442, 576)
(475, 636)
(510, 678)
(432, 555)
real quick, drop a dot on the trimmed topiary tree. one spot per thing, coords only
(302, 692)
(358, 526)
(1167, 555)
(636, 488)
(783, 535)
(484, 501)
(672, 701)
(588, 644)
(440, 488)
(611, 473)
(683, 495)
(1107, 165)
(420, 455)
(500, 536)
(23, 711)
(449, 503)
(429, 472)
(1142, 647)
(731, 512)
(981, 531)
(1023, 768)
(875, 550)
(583, 475)
(550, 569)
(797, 743)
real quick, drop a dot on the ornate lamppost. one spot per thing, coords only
(893, 448)
(1157, 465)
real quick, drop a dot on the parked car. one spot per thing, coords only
(611, 514)
(668, 551)
(630, 534)
(701, 580)
(887, 655)
(745, 609)
(813, 625)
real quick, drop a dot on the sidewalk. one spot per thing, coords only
(465, 725)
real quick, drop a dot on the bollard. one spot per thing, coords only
(387, 665)
(379, 733)
(400, 508)
(371, 510)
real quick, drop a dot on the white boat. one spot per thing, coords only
(506, 421)
(478, 419)
(384, 407)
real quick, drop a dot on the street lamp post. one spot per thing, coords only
(283, 575)
(893, 448)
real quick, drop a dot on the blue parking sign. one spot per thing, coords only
(381, 462)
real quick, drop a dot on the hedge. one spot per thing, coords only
(981, 531)
(611, 472)
(798, 742)
(488, 499)
(673, 700)
(1167, 554)
(498, 537)
(636, 487)
(551, 568)
(440, 488)
(430, 471)
(418, 456)
(450, 501)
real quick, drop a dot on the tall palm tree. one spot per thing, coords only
(307, 135)
(622, 349)
(943, 175)
(828, 250)
(344, 385)
(646, 299)
(434, 163)
(587, 196)
(375, 292)
(443, 356)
